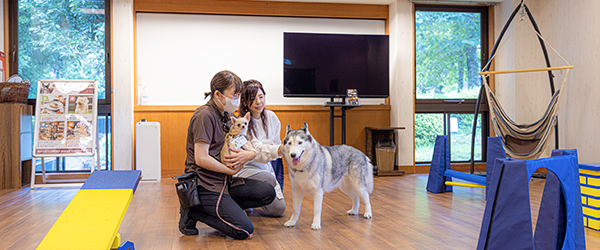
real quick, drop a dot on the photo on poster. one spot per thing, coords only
(52, 104)
(80, 104)
(51, 131)
(46, 88)
(78, 131)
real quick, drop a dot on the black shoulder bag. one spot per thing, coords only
(187, 190)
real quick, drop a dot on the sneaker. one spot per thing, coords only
(187, 226)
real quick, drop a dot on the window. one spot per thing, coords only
(450, 49)
(55, 39)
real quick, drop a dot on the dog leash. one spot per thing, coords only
(226, 130)
(217, 211)
(219, 201)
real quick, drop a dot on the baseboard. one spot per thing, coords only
(424, 168)
(62, 178)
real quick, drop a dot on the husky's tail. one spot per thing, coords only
(369, 176)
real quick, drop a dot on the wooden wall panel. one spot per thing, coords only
(174, 121)
(264, 8)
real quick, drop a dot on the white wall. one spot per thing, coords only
(505, 86)
(401, 83)
(122, 84)
(571, 27)
(178, 54)
(2, 27)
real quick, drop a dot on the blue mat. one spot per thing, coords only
(118, 179)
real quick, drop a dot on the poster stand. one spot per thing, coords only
(65, 125)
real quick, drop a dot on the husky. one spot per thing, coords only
(316, 169)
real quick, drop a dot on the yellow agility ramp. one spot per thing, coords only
(92, 219)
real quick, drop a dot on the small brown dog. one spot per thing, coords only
(236, 137)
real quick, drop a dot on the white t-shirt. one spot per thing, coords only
(266, 146)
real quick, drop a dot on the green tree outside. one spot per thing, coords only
(448, 54)
(62, 40)
(448, 59)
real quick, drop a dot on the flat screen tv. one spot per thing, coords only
(326, 65)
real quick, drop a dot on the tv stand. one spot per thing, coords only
(332, 104)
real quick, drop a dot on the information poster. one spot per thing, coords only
(65, 118)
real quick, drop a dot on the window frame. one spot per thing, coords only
(12, 63)
(448, 107)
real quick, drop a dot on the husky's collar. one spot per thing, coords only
(300, 170)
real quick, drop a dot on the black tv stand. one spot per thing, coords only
(332, 104)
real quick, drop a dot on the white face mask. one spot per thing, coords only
(230, 105)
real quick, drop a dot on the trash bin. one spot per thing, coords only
(385, 152)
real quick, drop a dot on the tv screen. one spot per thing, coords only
(326, 65)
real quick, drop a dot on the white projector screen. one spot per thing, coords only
(178, 54)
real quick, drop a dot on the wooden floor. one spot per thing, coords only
(405, 216)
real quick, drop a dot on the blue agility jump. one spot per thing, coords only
(440, 172)
(507, 218)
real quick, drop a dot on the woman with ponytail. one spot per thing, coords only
(222, 197)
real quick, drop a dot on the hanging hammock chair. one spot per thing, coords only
(523, 141)
(520, 141)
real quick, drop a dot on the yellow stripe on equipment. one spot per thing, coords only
(462, 184)
(90, 221)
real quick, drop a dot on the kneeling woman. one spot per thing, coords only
(264, 132)
(223, 199)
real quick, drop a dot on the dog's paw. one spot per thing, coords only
(289, 223)
(315, 226)
(368, 215)
(352, 212)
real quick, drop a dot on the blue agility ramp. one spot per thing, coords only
(507, 218)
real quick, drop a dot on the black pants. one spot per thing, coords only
(252, 193)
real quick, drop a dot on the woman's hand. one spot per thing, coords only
(239, 157)
(235, 169)
(206, 161)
